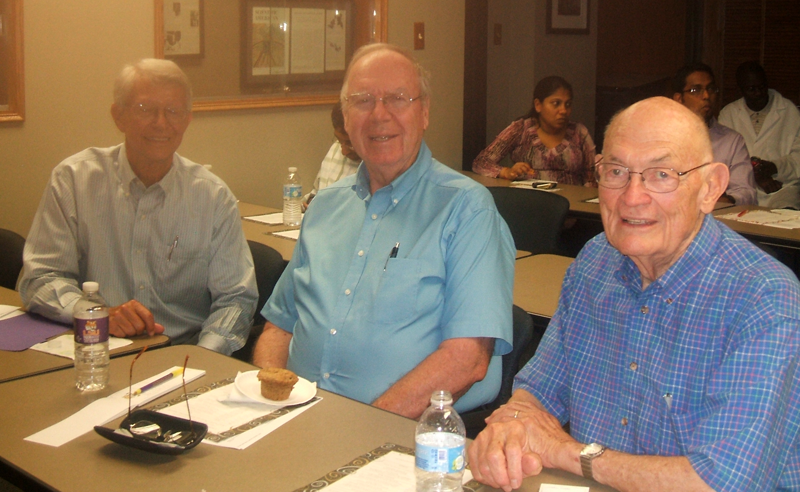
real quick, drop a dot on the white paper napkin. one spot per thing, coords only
(109, 408)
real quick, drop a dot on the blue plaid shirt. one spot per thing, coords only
(703, 363)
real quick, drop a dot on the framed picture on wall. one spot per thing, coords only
(568, 16)
(183, 28)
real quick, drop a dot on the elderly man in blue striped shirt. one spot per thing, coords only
(673, 353)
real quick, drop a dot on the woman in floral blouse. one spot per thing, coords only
(543, 144)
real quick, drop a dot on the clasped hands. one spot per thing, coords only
(519, 440)
(763, 172)
(131, 319)
(520, 169)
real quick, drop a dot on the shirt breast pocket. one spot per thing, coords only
(408, 289)
(183, 270)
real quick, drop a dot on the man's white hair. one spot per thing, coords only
(154, 70)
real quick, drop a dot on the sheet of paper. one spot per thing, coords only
(271, 219)
(9, 311)
(392, 472)
(551, 487)
(783, 219)
(222, 415)
(19, 333)
(535, 184)
(64, 346)
(293, 234)
(109, 408)
(593, 200)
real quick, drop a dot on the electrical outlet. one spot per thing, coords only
(419, 35)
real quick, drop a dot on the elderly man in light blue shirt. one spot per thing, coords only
(161, 234)
(401, 282)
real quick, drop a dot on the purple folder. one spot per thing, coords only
(22, 332)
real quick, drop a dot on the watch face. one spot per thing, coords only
(591, 449)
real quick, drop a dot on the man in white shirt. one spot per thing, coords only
(342, 159)
(770, 125)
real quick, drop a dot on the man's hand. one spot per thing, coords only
(518, 441)
(517, 170)
(131, 319)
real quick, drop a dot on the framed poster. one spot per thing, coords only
(183, 28)
(568, 16)
(301, 45)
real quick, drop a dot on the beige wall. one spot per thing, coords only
(74, 48)
(528, 54)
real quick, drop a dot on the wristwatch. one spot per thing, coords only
(588, 454)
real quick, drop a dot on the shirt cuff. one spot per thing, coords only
(214, 342)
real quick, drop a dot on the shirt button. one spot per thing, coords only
(669, 300)
(141, 287)
(644, 310)
(624, 421)
(347, 292)
(395, 201)
(374, 216)
(333, 331)
(361, 253)
(326, 375)
(634, 366)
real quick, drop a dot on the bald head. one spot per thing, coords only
(662, 119)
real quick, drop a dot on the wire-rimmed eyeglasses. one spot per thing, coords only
(394, 103)
(697, 90)
(149, 114)
(655, 179)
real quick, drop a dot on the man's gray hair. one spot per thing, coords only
(423, 76)
(154, 70)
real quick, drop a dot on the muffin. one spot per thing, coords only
(276, 383)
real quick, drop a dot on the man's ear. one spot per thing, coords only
(678, 97)
(116, 113)
(716, 179)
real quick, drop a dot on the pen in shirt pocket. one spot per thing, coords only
(172, 248)
(393, 254)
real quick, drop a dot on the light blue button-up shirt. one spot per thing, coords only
(362, 319)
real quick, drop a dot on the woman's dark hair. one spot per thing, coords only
(544, 89)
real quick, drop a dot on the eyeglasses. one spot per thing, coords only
(394, 103)
(697, 90)
(655, 179)
(149, 114)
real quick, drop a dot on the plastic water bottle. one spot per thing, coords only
(292, 199)
(90, 320)
(440, 449)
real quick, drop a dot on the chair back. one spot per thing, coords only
(523, 334)
(11, 246)
(534, 217)
(269, 265)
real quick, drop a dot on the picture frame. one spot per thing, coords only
(296, 45)
(568, 16)
(183, 29)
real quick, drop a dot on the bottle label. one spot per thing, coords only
(91, 330)
(440, 460)
(292, 191)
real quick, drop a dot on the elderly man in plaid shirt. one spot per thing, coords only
(674, 351)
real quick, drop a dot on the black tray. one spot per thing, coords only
(166, 422)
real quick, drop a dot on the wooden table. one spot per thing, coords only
(316, 442)
(537, 283)
(17, 365)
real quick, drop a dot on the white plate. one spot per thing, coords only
(250, 386)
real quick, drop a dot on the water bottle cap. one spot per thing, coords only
(441, 398)
(91, 287)
(292, 169)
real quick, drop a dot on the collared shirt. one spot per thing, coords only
(729, 148)
(703, 363)
(570, 162)
(177, 247)
(362, 318)
(335, 166)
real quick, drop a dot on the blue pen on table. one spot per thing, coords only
(393, 254)
(172, 248)
(161, 380)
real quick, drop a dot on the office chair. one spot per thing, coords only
(11, 246)
(534, 217)
(512, 362)
(269, 265)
